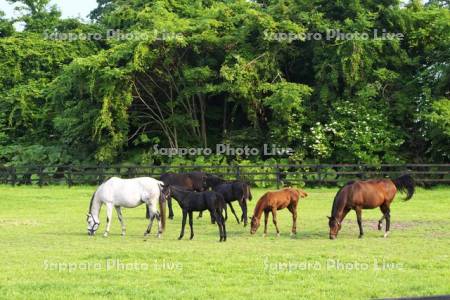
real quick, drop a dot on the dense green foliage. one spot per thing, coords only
(197, 73)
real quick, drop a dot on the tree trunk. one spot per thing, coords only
(203, 121)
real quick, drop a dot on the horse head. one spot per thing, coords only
(335, 226)
(255, 222)
(92, 224)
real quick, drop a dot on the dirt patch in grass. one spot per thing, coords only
(16, 222)
(397, 224)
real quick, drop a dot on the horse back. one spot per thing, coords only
(372, 193)
(281, 199)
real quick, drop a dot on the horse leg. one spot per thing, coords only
(234, 213)
(380, 222)
(108, 219)
(274, 219)
(218, 219)
(200, 214)
(293, 210)
(158, 218)
(147, 211)
(150, 223)
(169, 204)
(119, 216)
(222, 220)
(266, 219)
(183, 224)
(387, 215)
(243, 205)
(358, 217)
(191, 223)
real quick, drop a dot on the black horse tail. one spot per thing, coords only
(162, 208)
(405, 183)
(248, 192)
(222, 206)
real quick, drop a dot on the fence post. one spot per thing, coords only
(69, 176)
(13, 176)
(319, 180)
(40, 174)
(278, 175)
(100, 174)
(238, 172)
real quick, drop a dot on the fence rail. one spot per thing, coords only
(259, 175)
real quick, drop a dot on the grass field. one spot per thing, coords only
(46, 252)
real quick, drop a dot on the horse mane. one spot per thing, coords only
(260, 205)
(92, 200)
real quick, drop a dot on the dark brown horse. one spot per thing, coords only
(192, 181)
(274, 201)
(368, 194)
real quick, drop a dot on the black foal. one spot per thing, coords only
(193, 201)
(231, 191)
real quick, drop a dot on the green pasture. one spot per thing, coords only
(47, 254)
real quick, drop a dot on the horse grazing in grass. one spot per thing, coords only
(192, 181)
(231, 191)
(130, 193)
(192, 201)
(273, 201)
(368, 194)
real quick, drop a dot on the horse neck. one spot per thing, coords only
(178, 195)
(94, 208)
(259, 208)
(338, 205)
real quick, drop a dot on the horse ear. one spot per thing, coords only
(329, 218)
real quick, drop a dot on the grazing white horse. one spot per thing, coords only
(118, 193)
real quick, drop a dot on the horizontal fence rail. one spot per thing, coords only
(258, 175)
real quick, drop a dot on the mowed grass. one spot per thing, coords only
(43, 232)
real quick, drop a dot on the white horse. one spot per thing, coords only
(118, 193)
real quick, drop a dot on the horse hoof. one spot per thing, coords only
(386, 234)
(105, 234)
(360, 236)
(264, 235)
(278, 234)
(159, 235)
(180, 238)
(191, 238)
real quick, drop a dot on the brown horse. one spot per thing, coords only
(273, 201)
(368, 194)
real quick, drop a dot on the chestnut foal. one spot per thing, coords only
(273, 201)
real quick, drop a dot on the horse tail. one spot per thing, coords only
(249, 192)
(405, 183)
(222, 207)
(162, 207)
